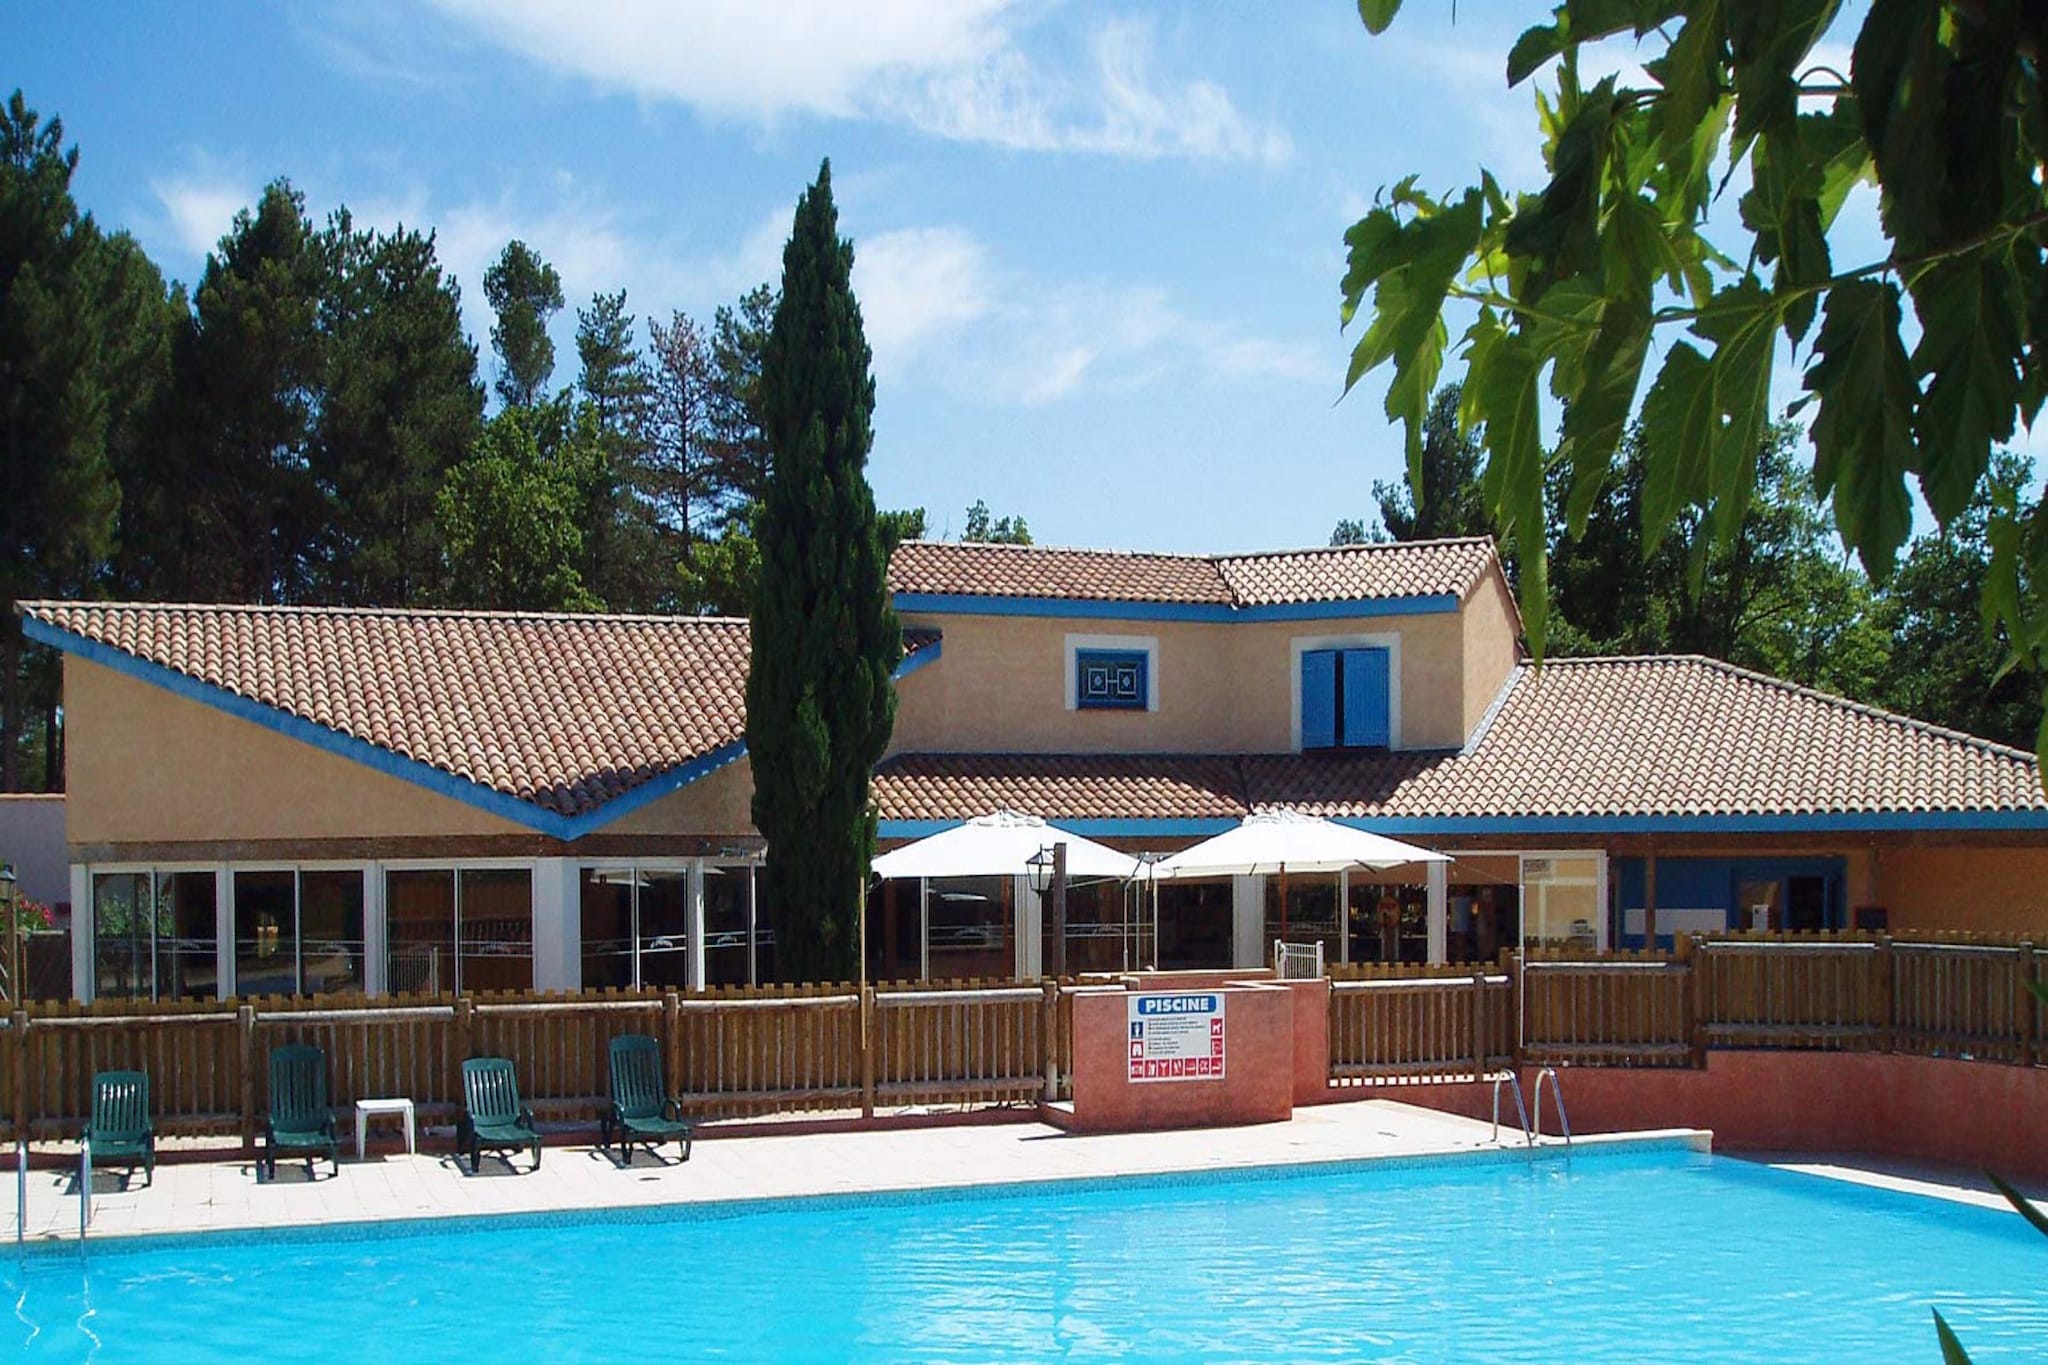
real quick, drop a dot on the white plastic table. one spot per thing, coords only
(365, 1109)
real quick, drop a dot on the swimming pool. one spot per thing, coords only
(1614, 1258)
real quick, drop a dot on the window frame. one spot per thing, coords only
(1306, 644)
(1145, 645)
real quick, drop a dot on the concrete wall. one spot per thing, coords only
(32, 838)
(1973, 1114)
(1000, 685)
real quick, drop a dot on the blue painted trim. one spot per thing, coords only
(1093, 829)
(376, 757)
(918, 659)
(963, 604)
(1876, 821)
(674, 780)
(1789, 823)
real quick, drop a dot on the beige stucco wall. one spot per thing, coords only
(1996, 890)
(1000, 685)
(144, 765)
(1491, 648)
(718, 803)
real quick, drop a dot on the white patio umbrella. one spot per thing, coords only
(1280, 842)
(1000, 843)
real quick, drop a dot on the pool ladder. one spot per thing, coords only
(1529, 1130)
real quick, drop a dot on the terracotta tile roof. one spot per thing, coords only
(1358, 573)
(1078, 786)
(1648, 737)
(965, 568)
(1438, 568)
(563, 712)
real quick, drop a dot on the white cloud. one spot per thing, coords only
(952, 68)
(937, 304)
(916, 285)
(197, 209)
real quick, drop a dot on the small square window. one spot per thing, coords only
(1111, 679)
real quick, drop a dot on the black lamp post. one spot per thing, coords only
(1049, 871)
(10, 914)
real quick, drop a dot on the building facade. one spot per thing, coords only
(290, 800)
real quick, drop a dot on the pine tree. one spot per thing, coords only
(525, 292)
(628, 556)
(739, 446)
(248, 372)
(57, 495)
(400, 407)
(820, 702)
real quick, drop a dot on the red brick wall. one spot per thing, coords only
(1975, 1114)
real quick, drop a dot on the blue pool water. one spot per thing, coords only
(1621, 1258)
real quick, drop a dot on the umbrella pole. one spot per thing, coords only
(1283, 902)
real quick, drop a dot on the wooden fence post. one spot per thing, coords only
(672, 1040)
(20, 1096)
(245, 1029)
(1479, 1026)
(1682, 950)
(1887, 968)
(1052, 1039)
(867, 1052)
(459, 1041)
(2030, 1010)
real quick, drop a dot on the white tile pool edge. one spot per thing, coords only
(1548, 1150)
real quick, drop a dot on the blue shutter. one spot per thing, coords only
(1319, 699)
(1365, 699)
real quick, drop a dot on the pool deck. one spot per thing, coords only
(218, 1196)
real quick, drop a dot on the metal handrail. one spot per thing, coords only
(1509, 1078)
(1557, 1089)
(1426, 983)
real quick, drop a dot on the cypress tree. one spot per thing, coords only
(820, 700)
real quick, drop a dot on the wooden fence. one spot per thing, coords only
(1420, 1026)
(729, 1052)
(746, 1051)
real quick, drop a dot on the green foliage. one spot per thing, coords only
(895, 527)
(739, 439)
(247, 377)
(629, 555)
(525, 292)
(1353, 531)
(510, 515)
(399, 407)
(1942, 110)
(69, 317)
(988, 530)
(1945, 663)
(1446, 499)
(820, 701)
(718, 575)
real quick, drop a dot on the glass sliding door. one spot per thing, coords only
(1308, 914)
(607, 917)
(154, 935)
(124, 934)
(495, 912)
(187, 957)
(266, 933)
(1195, 924)
(727, 892)
(419, 932)
(971, 928)
(664, 928)
(331, 942)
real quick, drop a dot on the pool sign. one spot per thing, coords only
(1176, 1037)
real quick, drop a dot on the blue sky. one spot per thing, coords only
(1098, 245)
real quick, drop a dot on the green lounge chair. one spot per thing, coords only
(492, 1116)
(642, 1113)
(299, 1119)
(120, 1132)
